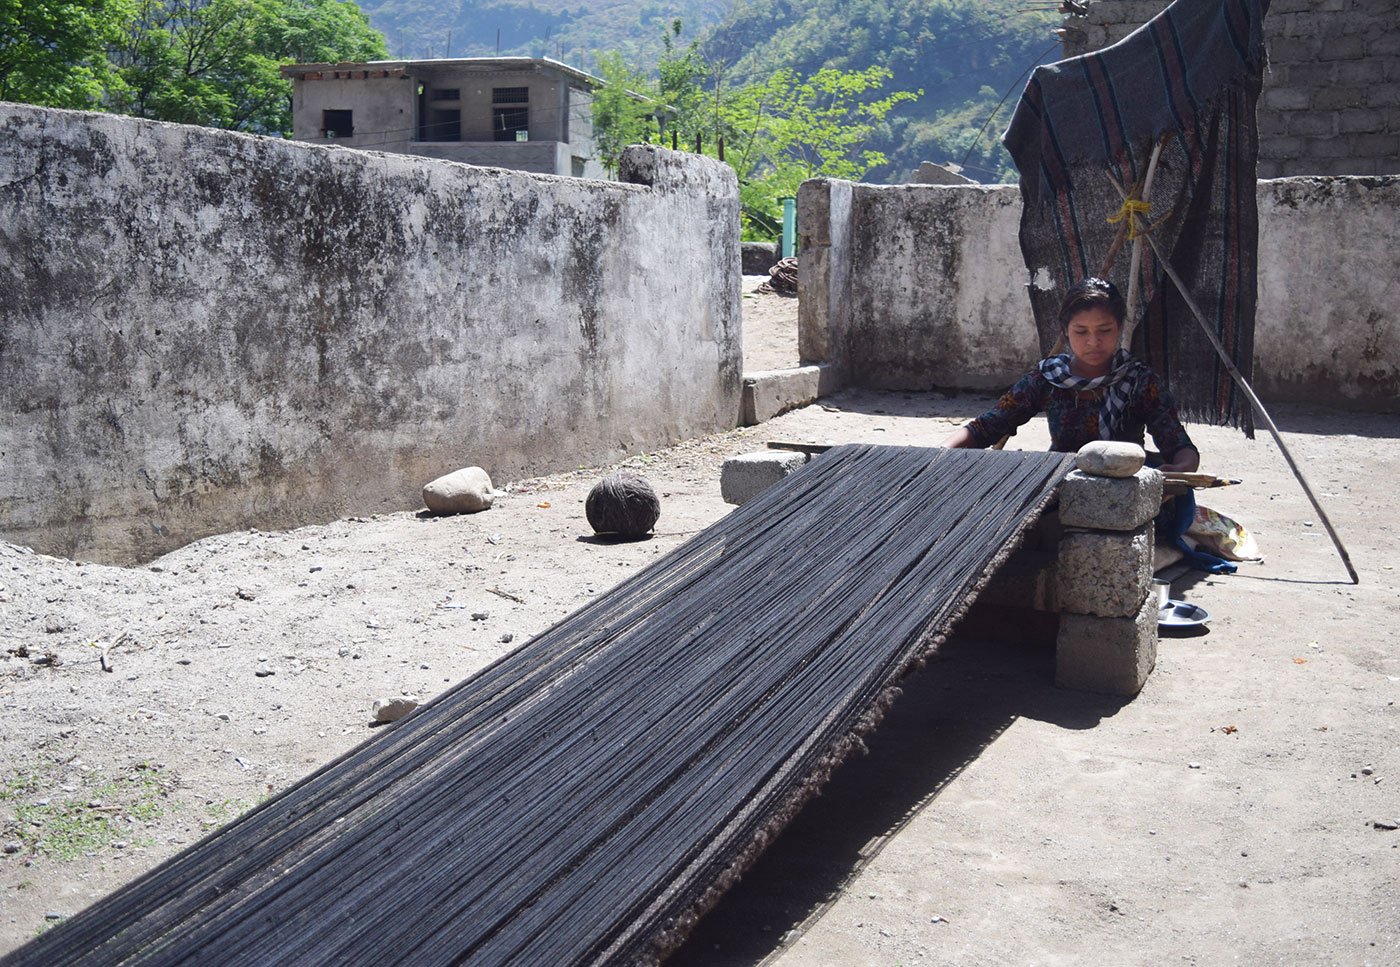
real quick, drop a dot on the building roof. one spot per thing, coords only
(400, 68)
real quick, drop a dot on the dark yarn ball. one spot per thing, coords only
(622, 503)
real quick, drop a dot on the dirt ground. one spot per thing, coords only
(1236, 811)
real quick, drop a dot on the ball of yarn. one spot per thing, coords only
(624, 504)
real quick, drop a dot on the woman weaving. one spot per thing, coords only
(1096, 391)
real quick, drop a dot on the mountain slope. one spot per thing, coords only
(569, 30)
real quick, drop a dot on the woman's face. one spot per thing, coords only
(1093, 337)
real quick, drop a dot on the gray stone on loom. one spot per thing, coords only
(1110, 458)
(1104, 573)
(746, 476)
(1109, 655)
(1110, 503)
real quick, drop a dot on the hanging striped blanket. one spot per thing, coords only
(1191, 77)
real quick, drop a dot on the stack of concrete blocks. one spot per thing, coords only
(1108, 619)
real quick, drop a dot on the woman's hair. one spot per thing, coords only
(1092, 293)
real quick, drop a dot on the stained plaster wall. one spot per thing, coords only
(923, 286)
(203, 331)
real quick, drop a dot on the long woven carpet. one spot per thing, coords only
(586, 797)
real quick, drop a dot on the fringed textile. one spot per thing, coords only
(583, 799)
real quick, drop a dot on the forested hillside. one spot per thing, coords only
(573, 31)
(963, 54)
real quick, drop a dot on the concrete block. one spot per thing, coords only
(766, 394)
(1108, 655)
(1360, 121)
(1331, 98)
(1307, 124)
(1284, 99)
(1102, 573)
(746, 476)
(1360, 72)
(1109, 503)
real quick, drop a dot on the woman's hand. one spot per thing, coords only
(1185, 460)
(959, 439)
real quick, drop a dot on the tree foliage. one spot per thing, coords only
(217, 62)
(619, 117)
(212, 62)
(53, 52)
(964, 53)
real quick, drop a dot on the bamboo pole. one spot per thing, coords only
(1249, 392)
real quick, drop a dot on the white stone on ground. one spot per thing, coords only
(464, 491)
(393, 709)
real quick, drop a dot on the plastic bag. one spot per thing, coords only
(1217, 534)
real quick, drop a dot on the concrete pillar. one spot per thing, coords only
(1108, 623)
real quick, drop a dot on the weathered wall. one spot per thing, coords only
(202, 330)
(1331, 99)
(913, 286)
(1329, 291)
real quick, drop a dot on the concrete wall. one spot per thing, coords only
(202, 330)
(914, 287)
(1331, 99)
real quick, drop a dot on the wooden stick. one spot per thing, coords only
(1253, 399)
(800, 447)
(1136, 262)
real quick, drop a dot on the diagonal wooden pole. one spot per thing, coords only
(1248, 391)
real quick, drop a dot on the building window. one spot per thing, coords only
(510, 95)
(506, 122)
(337, 124)
(446, 94)
(445, 126)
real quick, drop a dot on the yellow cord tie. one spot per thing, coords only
(1131, 209)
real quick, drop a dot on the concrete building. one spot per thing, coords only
(528, 113)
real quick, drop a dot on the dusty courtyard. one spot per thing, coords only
(1241, 809)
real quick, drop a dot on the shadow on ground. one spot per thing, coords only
(949, 712)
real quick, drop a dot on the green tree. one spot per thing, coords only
(53, 52)
(217, 62)
(620, 116)
(784, 129)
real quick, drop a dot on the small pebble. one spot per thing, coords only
(1367, 770)
(265, 672)
(14, 846)
(182, 661)
(53, 915)
(1193, 765)
(1386, 824)
(507, 638)
(222, 716)
(480, 615)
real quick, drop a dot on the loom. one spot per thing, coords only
(585, 798)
